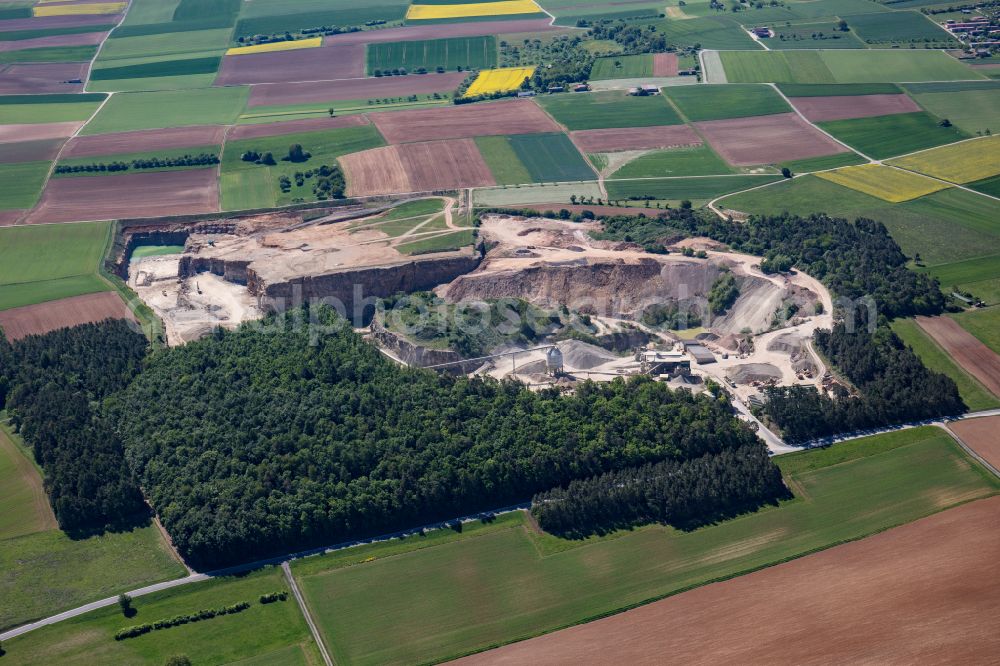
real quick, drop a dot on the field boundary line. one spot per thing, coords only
(816, 127)
(968, 449)
(305, 613)
(90, 67)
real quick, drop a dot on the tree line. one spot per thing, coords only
(251, 443)
(202, 159)
(53, 385)
(681, 493)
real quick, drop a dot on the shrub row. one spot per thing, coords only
(273, 596)
(206, 614)
(204, 159)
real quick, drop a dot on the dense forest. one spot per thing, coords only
(684, 494)
(52, 386)
(250, 443)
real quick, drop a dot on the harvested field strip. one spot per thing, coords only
(419, 12)
(882, 137)
(41, 78)
(665, 64)
(25, 504)
(817, 109)
(975, 396)
(975, 358)
(983, 323)
(835, 594)
(416, 167)
(847, 492)
(980, 434)
(767, 139)
(84, 8)
(242, 132)
(884, 182)
(145, 141)
(45, 317)
(326, 62)
(270, 47)
(520, 116)
(41, 149)
(16, 133)
(635, 138)
(353, 89)
(499, 80)
(958, 163)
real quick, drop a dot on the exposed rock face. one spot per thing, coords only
(417, 355)
(599, 286)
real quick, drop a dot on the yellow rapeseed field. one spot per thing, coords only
(88, 8)
(504, 8)
(290, 45)
(958, 163)
(884, 182)
(499, 80)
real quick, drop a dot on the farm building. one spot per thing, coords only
(700, 353)
(763, 33)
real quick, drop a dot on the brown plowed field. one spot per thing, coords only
(44, 317)
(520, 116)
(416, 167)
(635, 138)
(145, 140)
(319, 64)
(982, 435)
(49, 22)
(9, 217)
(965, 349)
(29, 151)
(818, 109)
(294, 126)
(923, 593)
(441, 31)
(81, 39)
(780, 137)
(128, 195)
(664, 64)
(359, 89)
(37, 78)
(37, 132)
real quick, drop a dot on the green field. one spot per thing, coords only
(711, 32)
(245, 185)
(962, 274)
(22, 184)
(15, 109)
(283, 19)
(838, 89)
(535, 194)
(975, 395)
(889, 136)
(47, 262)
(441, 595)
(406, 217)
(119, 51)
(990, 186)
(944, 227)
(442, 243)
(602, 110)
(718, 102)
(17, 35)
(465, 52)
(159, 69)
(842, 66)
(504, 164)
(818, 35)
(970, 110)
(50, 54)
(550, 158)
(623, 67)
(984, 324)
(48, 572)
(689, 161)
(899, 28)
(151, 110)
(24, 506)
(707, 187)
(274, 633)
(823, 163)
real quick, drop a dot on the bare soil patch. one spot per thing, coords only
(635, 138)
(80, 39)
(780, 137)
(294, 127)
(37, 78)
(9, 217)
(965, 349)
(128, 195)
(359, 89)
(981, 435)
(37, 132)
(818, 109)
(441, 31)
(45, 317)
(323, 63)
(145, 140)
(665, 64)
(925, 592)
(519, 116)
(416, 167)
(49, 22)
(29, 151)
